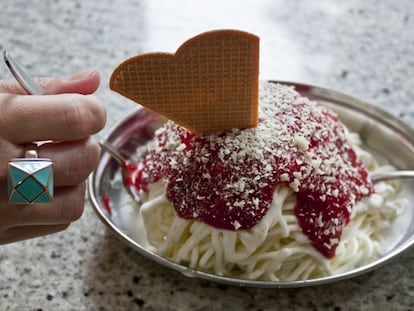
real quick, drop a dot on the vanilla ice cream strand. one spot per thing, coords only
(216, 268)
(355, 244)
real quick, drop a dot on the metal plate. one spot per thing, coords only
(381, 133)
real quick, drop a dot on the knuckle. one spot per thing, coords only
(11, 87)
(83, 162)
(8, 115)
(93, 155)
(72, 116)
(76, 167)
(83, 115)
(75, 205)
(97, 113)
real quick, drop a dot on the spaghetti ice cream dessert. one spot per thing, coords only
(288, 197)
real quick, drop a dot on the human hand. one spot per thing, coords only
(66, 119)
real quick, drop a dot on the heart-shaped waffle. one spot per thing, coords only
(210, 84)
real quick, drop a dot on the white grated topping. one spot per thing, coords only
(297, 143)
(301, 142)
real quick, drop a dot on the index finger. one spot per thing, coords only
(25, 119)
(83, 82)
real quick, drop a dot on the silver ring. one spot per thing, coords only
(30, 179)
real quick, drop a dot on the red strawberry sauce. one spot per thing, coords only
(228, 180)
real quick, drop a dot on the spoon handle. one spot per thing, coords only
(393, 175)
(25, 80)
(109, 148)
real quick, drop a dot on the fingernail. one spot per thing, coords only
(81, 75)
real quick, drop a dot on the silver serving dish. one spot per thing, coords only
(381, 133)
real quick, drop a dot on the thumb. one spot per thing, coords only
(83, 82)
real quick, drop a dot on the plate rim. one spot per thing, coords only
(314, 93)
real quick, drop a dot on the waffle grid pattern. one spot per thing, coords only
(210, 84)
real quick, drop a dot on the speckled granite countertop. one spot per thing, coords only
(362, 48)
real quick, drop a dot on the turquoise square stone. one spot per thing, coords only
(30, 188)
(30, 181)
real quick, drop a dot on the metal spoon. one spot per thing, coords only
(32, 88)
(392, 175)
